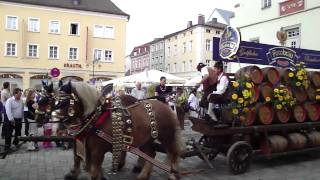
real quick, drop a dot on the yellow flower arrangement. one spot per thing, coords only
(235, 111)
(281, 99)
(248, 85)
(235, 84)
(241, 96)
(268, 99)
(299, 78)
(279, 106)
(240, 100)
(234, 96)
(291, 74)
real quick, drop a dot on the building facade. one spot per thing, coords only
(296, 17)
(157, 54)
(84, 39)
(186, 48)
(140, 58)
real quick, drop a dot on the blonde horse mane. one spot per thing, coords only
(88, 95)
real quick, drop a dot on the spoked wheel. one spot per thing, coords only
(207, 148)
(239, 157)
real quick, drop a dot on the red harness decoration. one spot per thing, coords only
(101, 119)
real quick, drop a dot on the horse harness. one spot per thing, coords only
(122, 127)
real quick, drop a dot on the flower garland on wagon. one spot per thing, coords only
(282, 99)
(299, 77)
(241, 96)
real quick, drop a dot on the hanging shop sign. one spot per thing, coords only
(71, 65)
(265, 54)
(229, 43)
(55, 72)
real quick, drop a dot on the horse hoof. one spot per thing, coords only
(69, 176)
(136, 169)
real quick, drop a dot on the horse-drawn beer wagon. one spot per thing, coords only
(268, 112)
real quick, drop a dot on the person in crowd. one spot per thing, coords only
(193, 102)
(1, 110)
(5, 95)
(217, 95)
(162, 91)
(138, 92)
(14, 111)
(25, 108)
(180, 100)
(31, 106)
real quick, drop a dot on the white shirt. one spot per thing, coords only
(204, 71)
(14, 108)
(193, 101)
(5, 95)
(139, 94)
(222, 85)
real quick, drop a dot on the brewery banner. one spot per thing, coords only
(265, 54)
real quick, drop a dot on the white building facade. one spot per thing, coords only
(260, 20)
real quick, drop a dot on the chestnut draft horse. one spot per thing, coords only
(77, 101)
(43, 114)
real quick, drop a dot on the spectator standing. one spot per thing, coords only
(162, 90)
(138, 92)
(180, 102)
(14, 111)
(193, 102)
(5, 95)
(31, 107)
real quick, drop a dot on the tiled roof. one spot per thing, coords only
(102, 6)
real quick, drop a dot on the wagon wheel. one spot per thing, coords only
(210, 152)
(239, 157)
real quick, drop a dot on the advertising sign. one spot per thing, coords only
(291, 6)
(265, 54)
(229, 42)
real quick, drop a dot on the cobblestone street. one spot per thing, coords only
(54, 163)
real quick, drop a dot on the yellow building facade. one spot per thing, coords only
(36, 38)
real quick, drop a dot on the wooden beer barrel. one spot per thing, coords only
(265, 113)
(299, 113)
(254, 72)
(313, 110)
(284, 73)
(297, 141)
(315, 78)
(271, 75)
(314, 138)
(275, 144)
(300, 94)
(266, 90)
(255, 94)
(282, 116)
(311, 92)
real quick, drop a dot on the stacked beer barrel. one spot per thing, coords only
(290, 142)
(265, 81)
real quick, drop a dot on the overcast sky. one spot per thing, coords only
(150, 19)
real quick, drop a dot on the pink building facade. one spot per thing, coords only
(140, 59)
